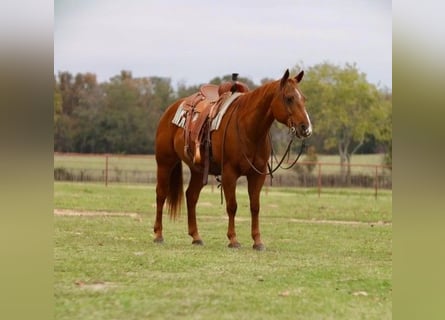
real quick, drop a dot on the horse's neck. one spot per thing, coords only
(255, 114)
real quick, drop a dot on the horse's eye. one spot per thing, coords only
(289, 100)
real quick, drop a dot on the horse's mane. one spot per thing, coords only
(260, 92)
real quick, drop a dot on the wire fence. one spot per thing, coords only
(108, 168)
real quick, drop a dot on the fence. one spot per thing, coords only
(109, 168)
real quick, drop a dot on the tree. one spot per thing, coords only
(386, 128)
(183, 90)
(57, 100)
(122, 114)
(63, 123)
(162, 96)
(345, 109)
(85, 115)
(122, 120)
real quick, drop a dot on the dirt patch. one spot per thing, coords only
(372, 224)
(64, 212)
(95, 286)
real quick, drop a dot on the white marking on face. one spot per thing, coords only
(309, 129)
(298, 94)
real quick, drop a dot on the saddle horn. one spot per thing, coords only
(234, 80)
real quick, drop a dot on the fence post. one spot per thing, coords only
(376, 182)
(319, 179)
(106, 170)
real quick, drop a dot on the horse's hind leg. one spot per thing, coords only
(229, 188)
(192, 195)
(163, 178)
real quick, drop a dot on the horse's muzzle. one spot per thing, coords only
(302, 130)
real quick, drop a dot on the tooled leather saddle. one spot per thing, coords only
(200, 109)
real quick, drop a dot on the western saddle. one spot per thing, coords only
(200, 109)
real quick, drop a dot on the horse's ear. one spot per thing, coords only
(299, 76)
(284, 78)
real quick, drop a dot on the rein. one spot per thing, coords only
(303, 146)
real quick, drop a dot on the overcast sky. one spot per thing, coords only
(195, 40)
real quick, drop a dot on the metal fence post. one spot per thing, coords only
(319, 179)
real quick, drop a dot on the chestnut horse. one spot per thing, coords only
(240, 147)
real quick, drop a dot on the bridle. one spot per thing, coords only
(270, 168)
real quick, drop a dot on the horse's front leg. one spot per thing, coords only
(229, 187)
(255, 183)
(192, 195)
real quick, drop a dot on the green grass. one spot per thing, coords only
(297, 203)
(108, 267)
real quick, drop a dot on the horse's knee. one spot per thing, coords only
(191, 196)
(254, 210)
(231, 208)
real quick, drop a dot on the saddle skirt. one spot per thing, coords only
(181, 112)
(201, 113)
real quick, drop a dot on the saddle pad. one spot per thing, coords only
(217, 120)
(179, 118)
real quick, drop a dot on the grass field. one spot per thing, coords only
(107, 267)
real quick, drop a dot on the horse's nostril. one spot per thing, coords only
(305, 130)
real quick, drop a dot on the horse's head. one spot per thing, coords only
(288, 106)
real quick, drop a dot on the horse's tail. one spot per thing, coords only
(175, 191)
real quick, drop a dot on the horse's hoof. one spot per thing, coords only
(259, 247)
(198, 242)
(234, 245)
(158, 240)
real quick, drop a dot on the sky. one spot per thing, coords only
(193, 41)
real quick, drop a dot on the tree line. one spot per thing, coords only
(349, 114)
